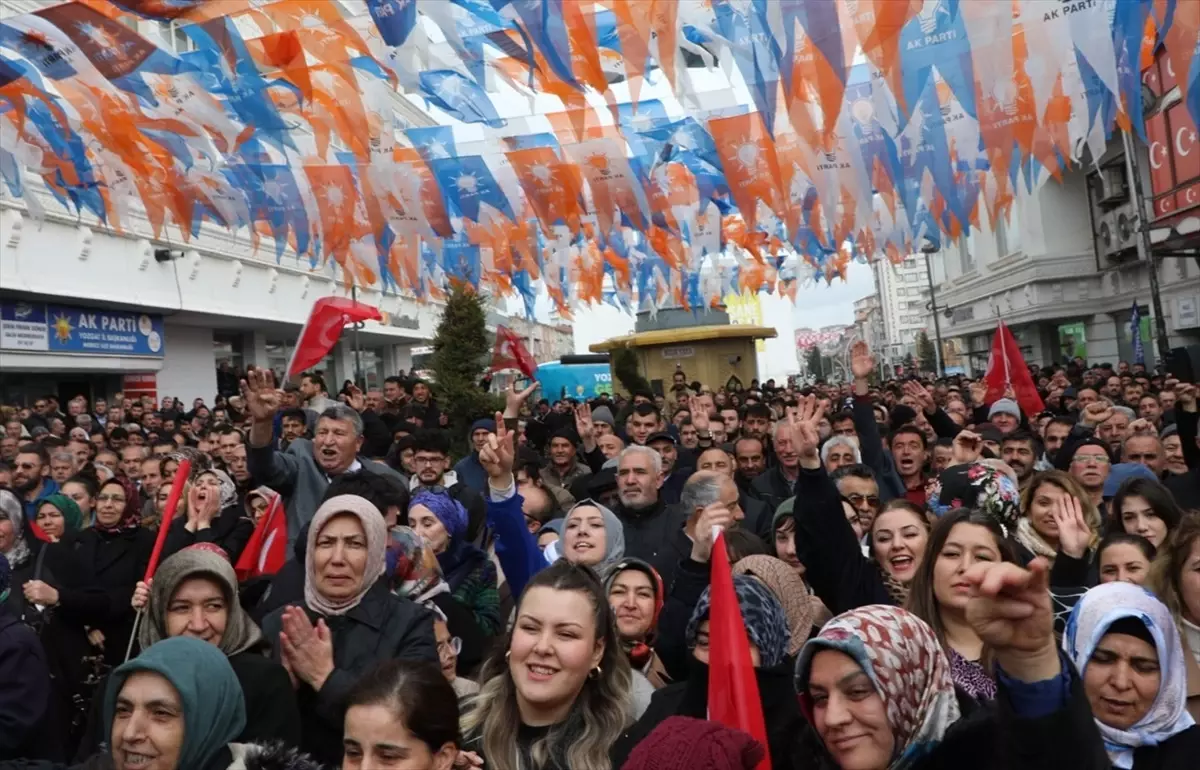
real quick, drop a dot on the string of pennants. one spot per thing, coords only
(875, 126)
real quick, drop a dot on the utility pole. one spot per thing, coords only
(928, 250)
(1146, 248)
(357, 350)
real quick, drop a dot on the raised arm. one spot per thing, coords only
(516, 548)
(267, 466)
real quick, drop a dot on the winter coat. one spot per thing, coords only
(296, 475)
(381, 627)
(26, 704)
(230, 530)
(648, 535)
(772, 487)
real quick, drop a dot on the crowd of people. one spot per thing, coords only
(928, 577)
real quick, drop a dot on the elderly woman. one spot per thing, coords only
(1127, 646)
(213, 515)
(194, 594)
(58, 515)
(442, 522)
(15, 547)
(348, 622)
(767, 628)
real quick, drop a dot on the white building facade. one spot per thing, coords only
(902, 292)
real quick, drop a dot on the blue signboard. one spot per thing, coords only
(60, 329)
(574, 380)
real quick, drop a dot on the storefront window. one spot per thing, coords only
(227, 349)
(1072, 341)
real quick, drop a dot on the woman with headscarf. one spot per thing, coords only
(58, 515)
(636, 594)
(442, 522)
(789, 589)
(348, 622)
(178, 706)
(1125, 643)
(27, 715)
(415, 574)
(194, 594)
(593, 537)
(213, 515)
(875, 685)
(14, 546)
(767, 629)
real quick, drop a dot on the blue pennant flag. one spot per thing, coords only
(460, 97)
(1135, 333)
(433, 142)
(395, 19)
(755, 50)
(467, 183)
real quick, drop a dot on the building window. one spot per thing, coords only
(966, 252)
(176, 37)
(1008, 232)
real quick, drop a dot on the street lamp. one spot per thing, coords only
(928, 250)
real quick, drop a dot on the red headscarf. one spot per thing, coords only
(132, 515)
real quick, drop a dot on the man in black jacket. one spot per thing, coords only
(775, 485)
(648, 521)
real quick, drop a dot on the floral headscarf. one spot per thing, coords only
(978, 487)
(906, 663)
(766, 623)
(11, 510)
(131, 517)
(414, 569)
(1090, 620)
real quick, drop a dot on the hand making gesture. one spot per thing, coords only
(1010, 609)
(1074, 534)
(967, 448)
(261, 395)
(917, 392)
(497, 456)
(514, 399)
(806, 431)
(585, 427)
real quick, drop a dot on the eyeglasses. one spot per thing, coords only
(428, 460)
(451, 645)
(1094, 459)
(111, 499)
(858, 500)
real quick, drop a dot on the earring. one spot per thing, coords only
(595, 673)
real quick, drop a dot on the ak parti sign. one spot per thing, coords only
(1174, 148)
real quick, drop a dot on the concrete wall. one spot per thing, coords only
(187, 367)
(708, 361)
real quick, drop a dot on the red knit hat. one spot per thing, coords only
(684, 743)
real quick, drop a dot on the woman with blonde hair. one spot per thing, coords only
(558, 695)
(1175, 578)
(1038, 529)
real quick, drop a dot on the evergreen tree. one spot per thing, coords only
(816, 363)
(461, 354)
(627, 372)
(925, 352)
(910, 364)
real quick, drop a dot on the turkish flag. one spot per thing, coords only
(1006, 367)
(733, 698)
(266, 551)
(323, 328)
(510, 353)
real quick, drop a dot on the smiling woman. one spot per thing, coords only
(557, 696)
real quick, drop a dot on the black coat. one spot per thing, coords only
(26, 700)
(381, 627)
(96, 573)
(271, 711)
(648, 535)
(772, 487)
(231, 530)
(1179, 752)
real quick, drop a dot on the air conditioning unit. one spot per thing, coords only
(1116, 234)
(1113, 188)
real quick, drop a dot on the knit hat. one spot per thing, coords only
(485, 423)
(766, 622)
(1169, 430)
(1005, 406)
(603, 414)
(684, 743)
(978, 487)
(785, 509)
(1122, 472)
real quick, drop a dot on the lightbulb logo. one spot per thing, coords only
(63, 328)
(929, 15)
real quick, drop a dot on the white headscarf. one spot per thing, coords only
(1099, 608)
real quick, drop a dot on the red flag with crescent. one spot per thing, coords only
(323, 328)
(510, 353)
